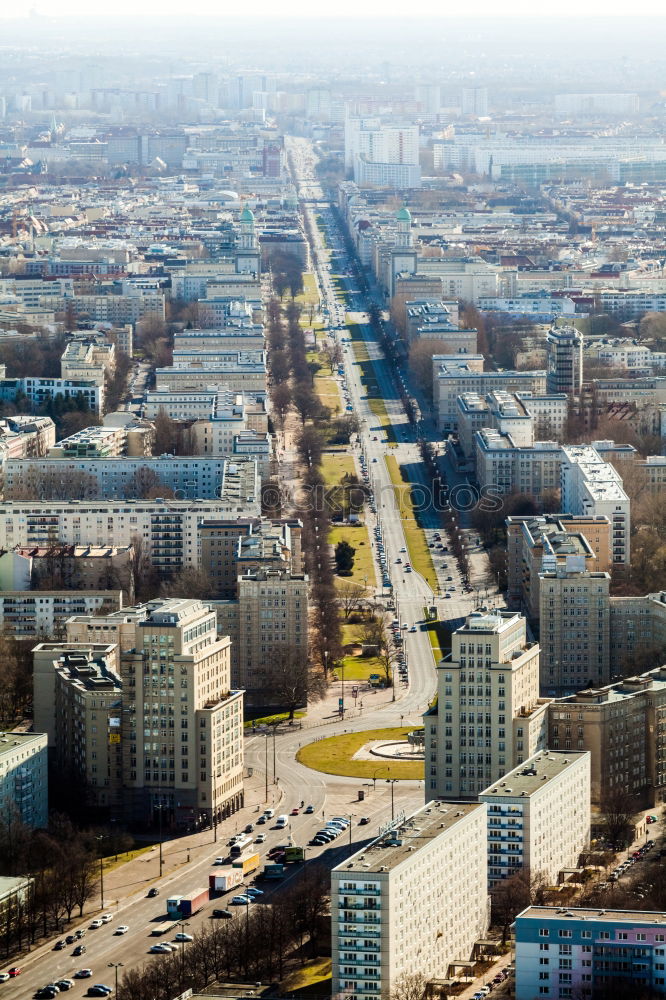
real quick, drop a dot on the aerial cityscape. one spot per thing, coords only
(332, 504)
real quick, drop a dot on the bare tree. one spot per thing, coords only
(409, 986)
(294, 680)
(351, 598)
(190, 581)
(618, 809)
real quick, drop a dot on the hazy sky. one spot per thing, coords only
(343, 8)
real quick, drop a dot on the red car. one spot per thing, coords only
(295, 811)
(15, 971)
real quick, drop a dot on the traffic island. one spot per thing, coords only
(344, 755)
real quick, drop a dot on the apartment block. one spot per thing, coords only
(230, 548)
(182, 724)
(505, 467)
(637, 625)
(488, 717)
(92, 442)
(539, 816)
(25, 437)
(40, 390)
(268, 628)
(574, 626)
(32, 613)
(89, 357)
(576, 952)
(591, 486)
(530, 539)
(24, 779)
(453, 376)
(87, 713)
(623, 726)
(168, 529)
(437, 856)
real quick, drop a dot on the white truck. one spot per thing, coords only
(224, 879)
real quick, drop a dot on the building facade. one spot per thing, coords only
(24, 794)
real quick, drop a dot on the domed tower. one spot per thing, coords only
(247, 239)
(404, 219)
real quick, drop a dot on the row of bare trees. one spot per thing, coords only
(61, 867)
(257, 944)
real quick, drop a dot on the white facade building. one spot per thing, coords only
(413, 901)
(591, 486)
(539, 816)
(24, 779)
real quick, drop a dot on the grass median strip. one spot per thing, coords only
(334, 754)
(363, 571)
(419, 553)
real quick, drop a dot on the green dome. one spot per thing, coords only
(247, 215)
(403, 214)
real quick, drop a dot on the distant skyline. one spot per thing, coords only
(524, 9)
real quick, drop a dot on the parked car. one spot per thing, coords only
(107, 918)
(15, 971)
(83, 974)
(222, 913)
(65, 984)
(181, 937)
(363, 821)
(241, 900)
(260, 838)
(96, 923)
(59, 945)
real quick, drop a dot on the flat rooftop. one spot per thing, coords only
(589, 913)
(533, 775)
(418, 830)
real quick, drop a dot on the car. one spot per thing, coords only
(220, 861)
(95, 991)
(295, 811)
(317, 842)
(59, 945)
(83, 974)
(363, 821)
(153, 892)
(70, 939)
(260, 838)
(78, 934)
(240, 900)
(222, 913)
(413, 628)
(399, 560)
(15, 971)
(102, 986)
(122, 929)
(46, 993)
(261, 820)
(269, 813)
(95, 924)
(181, 937)
(159, 949)
(404, 548)
(65, 984)
(309, 810)
(107, 918)
(249, 828)
(341, 820)
(254, 892)
(4, 976)
(79, 950)
(374, 460)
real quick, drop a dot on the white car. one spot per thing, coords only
(122, 929)
(107, 918)
(260, 839)
(182, 936)
(4, 976)
(220, 861)
(98, 922)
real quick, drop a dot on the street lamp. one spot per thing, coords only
(116, 966)
(391, 782)
(101, 871)
(266, 764)
(182, 924)
(160, 807)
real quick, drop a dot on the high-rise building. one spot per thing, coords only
(574, 626)
(564, 352)
(488, 717)
(181, 735)
(268, 627)
(413, 901)
(475, 101)
(539, 816)
(24, 779)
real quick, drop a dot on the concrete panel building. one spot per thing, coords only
(433, 863)
(24, 779)
(539, 816)
(592, 486)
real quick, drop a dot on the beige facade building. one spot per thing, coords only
(488, 717)
(182, 728)
(531, 538)
(623, 726)
(268, 628)
(230, 548)
(431, 864)
(539, 816)
(637, 625)
(574, 627)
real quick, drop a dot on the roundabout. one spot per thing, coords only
(374, 753)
